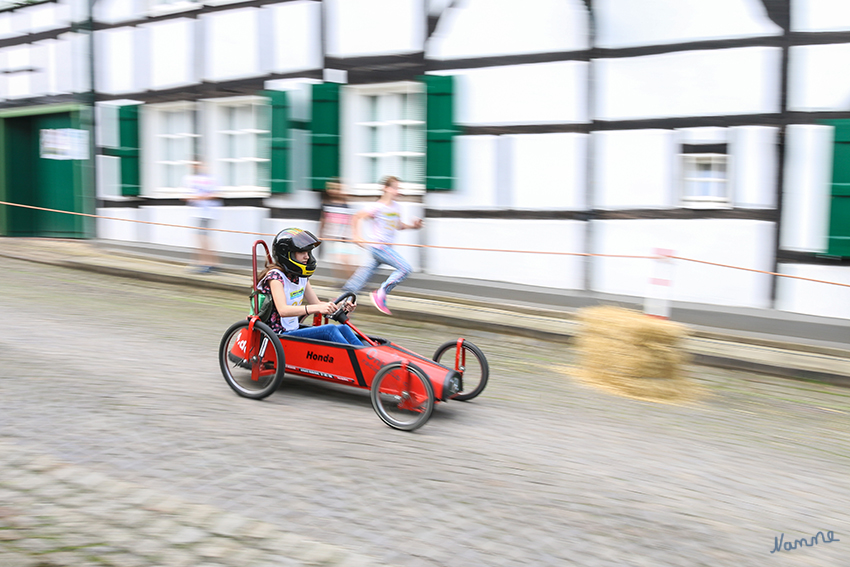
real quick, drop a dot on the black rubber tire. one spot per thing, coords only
(388, 380)
(473, 383)
(237, 371)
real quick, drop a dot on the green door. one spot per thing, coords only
(38, 181)
(21, 152)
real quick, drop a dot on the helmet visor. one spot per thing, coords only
(303, 240)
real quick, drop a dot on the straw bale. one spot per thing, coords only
(632, 354)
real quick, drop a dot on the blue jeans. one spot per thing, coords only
(333, 333)
(380, 255)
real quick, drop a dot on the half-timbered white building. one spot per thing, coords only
(717, 129)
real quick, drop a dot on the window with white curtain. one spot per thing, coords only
(174, 143)
(705, 180)
(241, 128)
(386, 135)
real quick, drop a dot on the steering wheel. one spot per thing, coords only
(341, 316)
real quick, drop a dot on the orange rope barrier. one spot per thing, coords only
(756, 271)
(326, 239)
(586, 254)
(126, 220)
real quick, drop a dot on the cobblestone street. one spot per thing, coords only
(121, 444)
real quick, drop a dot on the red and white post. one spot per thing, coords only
(657, 301)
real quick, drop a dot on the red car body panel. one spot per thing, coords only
(347, 364)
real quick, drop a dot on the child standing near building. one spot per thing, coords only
(386, 221)
(205, 204)
(335, 231)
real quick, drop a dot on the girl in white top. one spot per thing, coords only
(386, 221)
(287, 280)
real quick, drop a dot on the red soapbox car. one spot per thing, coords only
(404, 386)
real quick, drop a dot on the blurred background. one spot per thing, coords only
(718, 130)
(605, 135)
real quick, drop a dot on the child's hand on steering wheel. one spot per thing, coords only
(328, 308)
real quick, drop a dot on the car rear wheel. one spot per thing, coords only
(251, 359)
(402, 396)
(471, 363)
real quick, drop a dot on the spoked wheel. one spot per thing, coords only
(251, 359)
(402, 396)
(470, 362)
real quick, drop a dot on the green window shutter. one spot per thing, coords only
(324, 135)
(440, 132)
(280, 142)
(839, 211)
(128, 151)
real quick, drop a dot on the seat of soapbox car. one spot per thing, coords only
(404, 386)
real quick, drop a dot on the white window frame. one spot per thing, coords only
(706, 201)
(152, 128)
(356, 120)
(216, 154)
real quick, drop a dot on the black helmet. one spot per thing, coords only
(291, 240)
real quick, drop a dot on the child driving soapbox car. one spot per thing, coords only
(404, 386)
